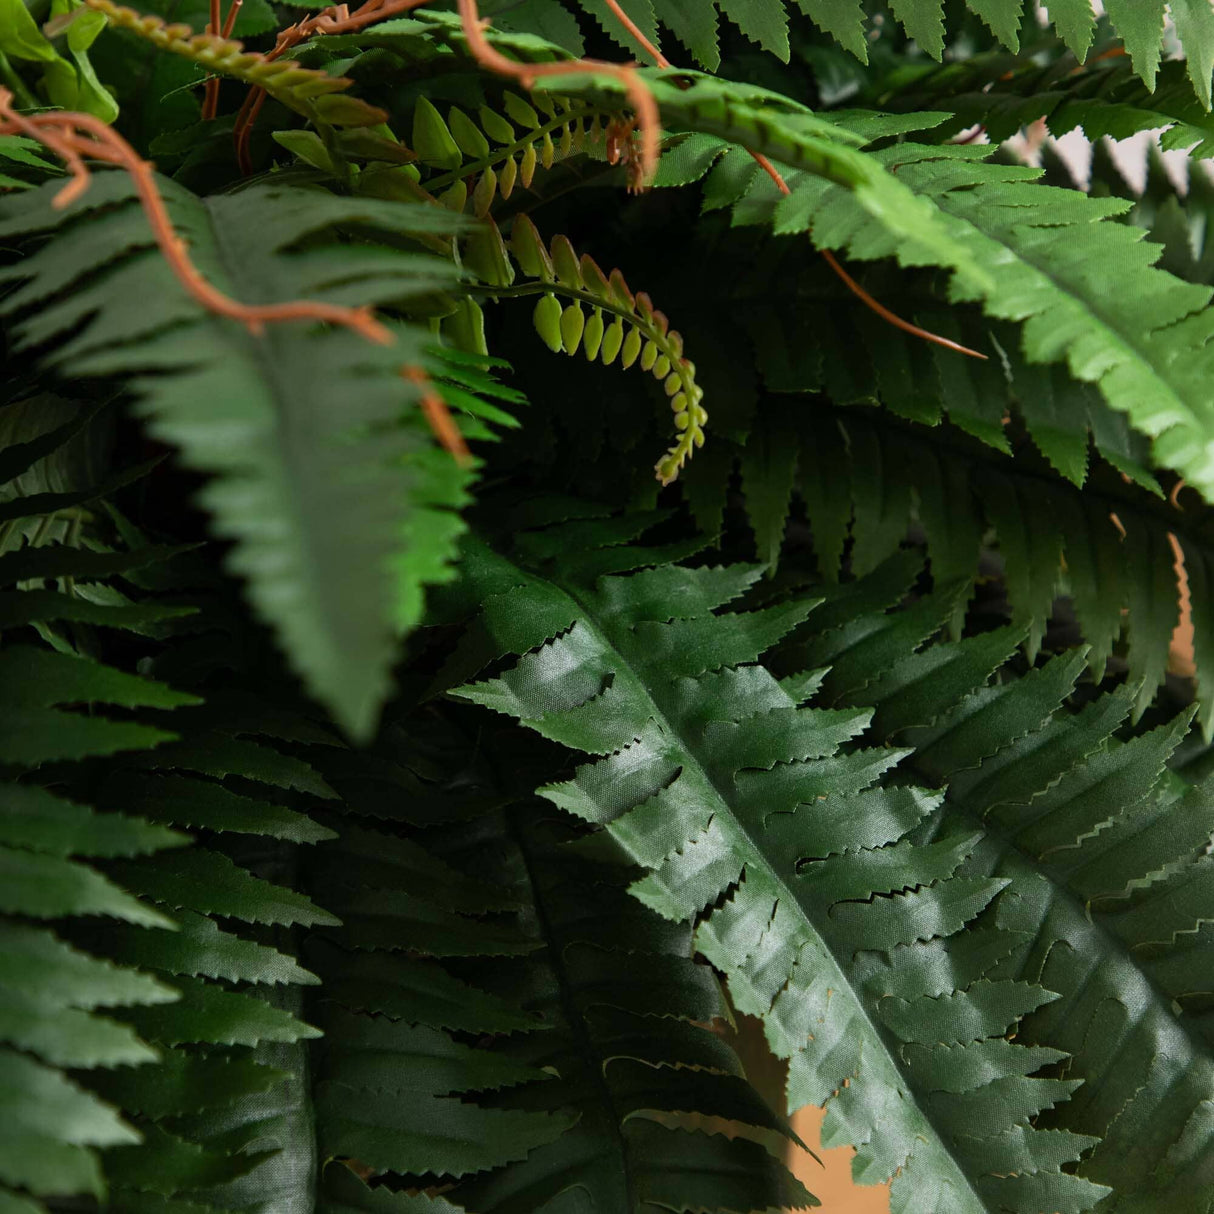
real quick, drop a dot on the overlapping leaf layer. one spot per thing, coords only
(1105, 855)
(338, 505)
(152, 1042)
(845, 904)
(502, 1018)
(864, 788)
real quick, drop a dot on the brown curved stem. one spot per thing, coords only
(892, 317)
(648, 118)
(210, 90)
(631, 26)
(439, 416)
(242, 130)
(74, 137)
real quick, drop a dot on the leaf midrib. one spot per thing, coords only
(261, 353)
(590, 620)
(1031, 869)
(582, 1040)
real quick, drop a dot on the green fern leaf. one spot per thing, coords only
(548, 1101)
(333, 571)
(717, 803)
(209, 883)
(1145, 367)
(54, 1123)
(33, 818)
(75, 1009)
(197, 948)
(193, 803)
(46, 887)
(1081, 826)
(923, 21)
(621, 1054)
(345, 1193)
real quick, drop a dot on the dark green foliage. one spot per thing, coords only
(567, 1086)
(284, 457)
(762, 821)
(1105, 859)
(873, 730)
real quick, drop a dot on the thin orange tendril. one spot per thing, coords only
(770, 169)
(76, 137)
(339, 20)
(438, 415)
(648, 118)
(210, 99)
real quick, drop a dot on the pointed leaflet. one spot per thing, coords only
(688, 789)
(1195, 28)
(389, 1089)
(1108, 886)
(924, 21)
(769, 469)
(1064, 271)
(33, 818)
(316, 497)
(50, 1125)
(47, 991)
(1139, 22)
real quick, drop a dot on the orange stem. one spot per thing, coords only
(338, 20)
(627, 22)
(242, 131)
(770, 169)
(72, 137)
(210, 91)
(648, 118)
(230, 22)
(334, 20)
(857, 290)
(892, 317)
(439, 416)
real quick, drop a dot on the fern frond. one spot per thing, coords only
(224, 1112)
(798, 319)
(309, 92)
(1140, 23)
(867, 481)
(63, 1006)
(468, 160)
(316, 492)
(1086, 290)
(1102, 98)
(1108, 882)
(392, 1078)
(768, 824)
(588, 1053)
(1106, 547)
(635, 332)
(621, 1050)
(161, 1103)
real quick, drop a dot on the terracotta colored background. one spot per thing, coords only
(830, 1182)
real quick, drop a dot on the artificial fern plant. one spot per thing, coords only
(528, 544)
